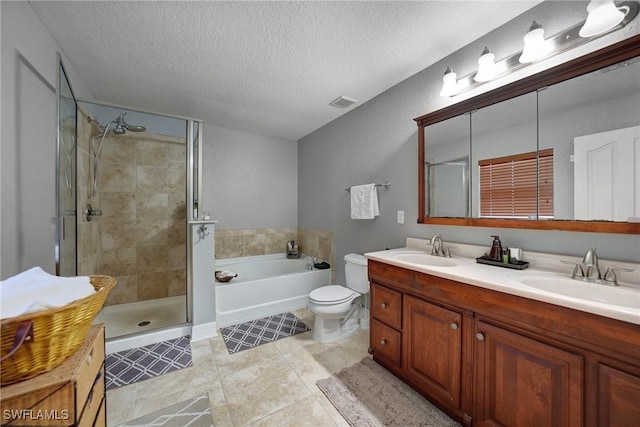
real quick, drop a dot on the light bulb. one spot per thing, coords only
(450, 84)
(487, 68)
(535, 46)
(603, 15)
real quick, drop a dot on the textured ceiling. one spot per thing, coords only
(266, 67)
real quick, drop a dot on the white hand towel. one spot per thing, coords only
(364, 202)
(35, 290)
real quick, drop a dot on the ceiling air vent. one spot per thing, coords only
(343, 102)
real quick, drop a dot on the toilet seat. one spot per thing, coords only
(332, 294)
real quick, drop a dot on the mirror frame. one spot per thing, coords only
(613, 54)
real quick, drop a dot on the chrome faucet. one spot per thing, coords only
(438, 248)
(592, 273)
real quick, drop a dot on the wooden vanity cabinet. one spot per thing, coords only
(432, 349)
(493, 359)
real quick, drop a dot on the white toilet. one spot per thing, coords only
(336, 314)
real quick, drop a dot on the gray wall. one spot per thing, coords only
(27, 153)
(250, 181)
(378, 142)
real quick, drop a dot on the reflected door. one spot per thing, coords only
(607, 175)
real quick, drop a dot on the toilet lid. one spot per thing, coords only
(331, 294)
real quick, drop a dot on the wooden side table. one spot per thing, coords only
(72, 394)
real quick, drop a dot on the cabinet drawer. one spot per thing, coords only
(90, 365)
(94, 400)
(386, 343)
(386, 305)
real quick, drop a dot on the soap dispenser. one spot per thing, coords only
(496, 249)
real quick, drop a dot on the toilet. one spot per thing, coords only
(337, 316)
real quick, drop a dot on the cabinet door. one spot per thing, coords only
(523, 382)
(432, 348)
(618, 398)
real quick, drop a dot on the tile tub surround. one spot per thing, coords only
(251, 242)
(270, 385)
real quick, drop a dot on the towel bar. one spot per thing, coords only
(386, 185)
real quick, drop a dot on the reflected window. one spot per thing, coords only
(518, 186)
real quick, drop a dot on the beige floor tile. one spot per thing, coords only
(120, 403)
(330, 409)
(306, 412)
(166, 390)
(258, 390)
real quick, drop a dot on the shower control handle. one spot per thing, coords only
(90, 212)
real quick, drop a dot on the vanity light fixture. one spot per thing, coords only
(535, 46)
(450, 86)
(603, 15)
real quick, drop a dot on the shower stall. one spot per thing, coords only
(135, 181)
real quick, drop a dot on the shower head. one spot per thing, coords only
(122, 126)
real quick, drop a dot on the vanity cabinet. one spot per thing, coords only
(433, 349)
(489, 358)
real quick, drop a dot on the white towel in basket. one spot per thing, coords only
(35, 289)
(364, 202)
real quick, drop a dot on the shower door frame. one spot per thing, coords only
(193, 186)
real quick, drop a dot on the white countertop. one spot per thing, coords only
(541, 265)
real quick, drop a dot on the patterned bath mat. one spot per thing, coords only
(194, 412)
(251, 334)
(141, 363)
(368, 395)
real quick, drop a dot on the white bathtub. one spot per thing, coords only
(266, 285)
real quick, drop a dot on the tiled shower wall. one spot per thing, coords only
(250, 242)
(140, 239)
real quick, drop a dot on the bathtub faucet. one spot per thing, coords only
(310, 264)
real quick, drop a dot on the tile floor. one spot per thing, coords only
(270, 385)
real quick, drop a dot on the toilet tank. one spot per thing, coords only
(355, 270)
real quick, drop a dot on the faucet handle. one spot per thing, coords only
(577, 269)
(610, 275)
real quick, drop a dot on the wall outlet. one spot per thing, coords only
(400, 217)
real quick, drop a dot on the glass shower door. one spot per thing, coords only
(66, 166)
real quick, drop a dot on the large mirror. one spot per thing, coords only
(558, 150)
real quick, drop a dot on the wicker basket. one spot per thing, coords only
(54, 335)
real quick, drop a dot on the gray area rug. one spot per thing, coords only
(140, 363)
(194, 412)
(366, 395)
(256, 332)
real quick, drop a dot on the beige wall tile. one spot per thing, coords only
(117, 178)
(177, 257)
(125, 290)
(177, 282)
(151, 179)
(153, 285)
(152, 233)
(119, 235)
(177, 155)
(118, 206)
(118, 262)
(151, 153)
(152, 259)
(176, 180)
(116, 149)
(151, 206)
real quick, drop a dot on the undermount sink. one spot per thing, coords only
(425, 259)
(612, 295)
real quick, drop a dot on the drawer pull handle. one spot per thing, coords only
(383, 341)
(454, 325)
(480, 336)
(383, 305)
